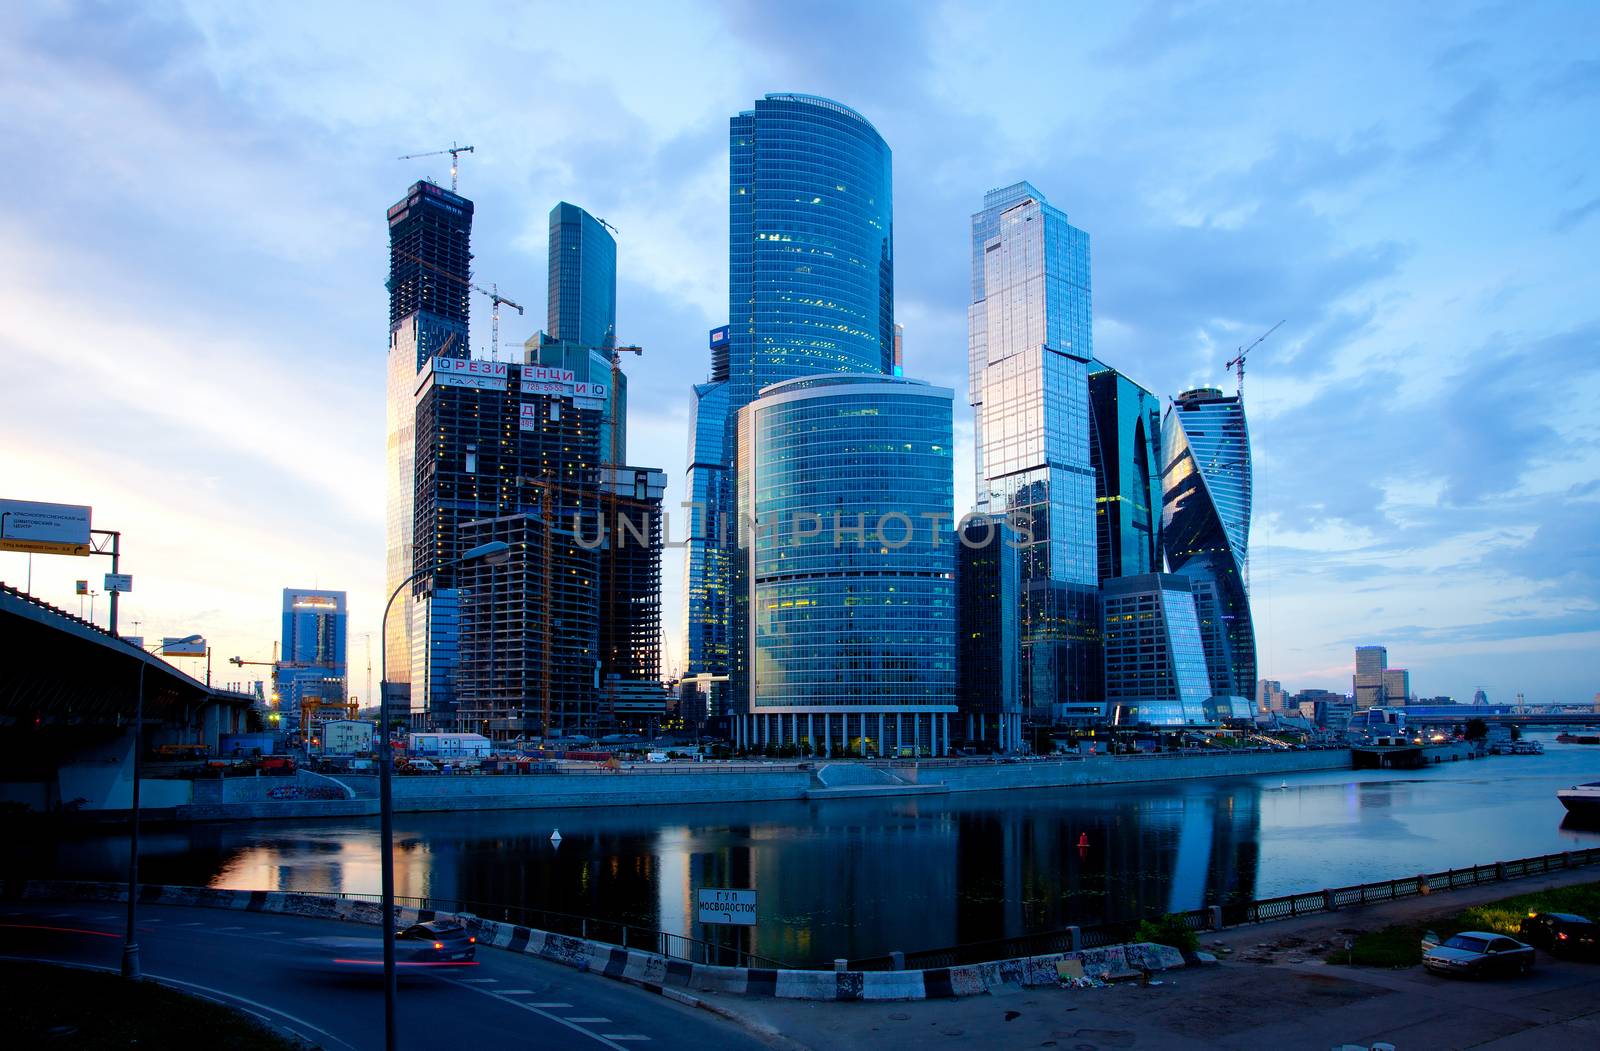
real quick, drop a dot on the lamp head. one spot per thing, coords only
(493, 553)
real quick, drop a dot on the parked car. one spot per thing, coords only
(276, 765)
(421, 766)
(1562, 934)
(1479, 954)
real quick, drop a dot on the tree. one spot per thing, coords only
(1477, 729)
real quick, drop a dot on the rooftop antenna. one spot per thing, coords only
(455, 159)
(1238, 362)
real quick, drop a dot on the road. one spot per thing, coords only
(254, 961)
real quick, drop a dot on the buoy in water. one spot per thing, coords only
(1083, 841)
(555, 837)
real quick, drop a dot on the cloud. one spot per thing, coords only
(1568, 219)
(1462, 128)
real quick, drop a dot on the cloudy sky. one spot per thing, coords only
(193, 254)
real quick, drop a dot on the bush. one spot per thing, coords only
(1170, 929)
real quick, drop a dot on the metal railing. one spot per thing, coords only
(1233, 914)
(589, 928)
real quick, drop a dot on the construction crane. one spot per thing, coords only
(493, 292)
(455, 162)
(1238, 361)
(607, 225)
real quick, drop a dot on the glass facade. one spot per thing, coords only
(707, 575)
(1155, 659)
(1127, 475)
(1205, 528)
(845, 508)
(987, 577)
(810, 291)
(430, 264)
(1030, 353)
(583, 279)
(314, 648)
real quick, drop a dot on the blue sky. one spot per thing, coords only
(194, 255)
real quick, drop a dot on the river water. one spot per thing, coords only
(852, 878)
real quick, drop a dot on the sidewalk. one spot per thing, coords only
(1274, 992)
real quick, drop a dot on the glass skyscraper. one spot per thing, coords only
(1155, 660)
(581, 326)
(1127, 476)
(1205, 527)
(845, 504)
(430, 265)
(986, 634)
(1029, 354)
(314, 648)
(810, 291)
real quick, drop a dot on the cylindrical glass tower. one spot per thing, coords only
(847, 557)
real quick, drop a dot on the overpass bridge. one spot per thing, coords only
(69, 691)
(1504, 718)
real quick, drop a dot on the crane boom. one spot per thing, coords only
(1237, 363)
(455, 153)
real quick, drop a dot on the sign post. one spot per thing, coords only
(735, 908)
(44, 529)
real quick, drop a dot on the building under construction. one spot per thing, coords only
(529, 631)
(630, 596)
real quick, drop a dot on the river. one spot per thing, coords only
(852, 878)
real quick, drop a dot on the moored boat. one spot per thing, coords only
(1581, 800)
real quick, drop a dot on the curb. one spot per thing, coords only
(658, 974)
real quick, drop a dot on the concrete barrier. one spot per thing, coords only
(647, 970)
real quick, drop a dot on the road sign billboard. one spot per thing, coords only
(44, 529)
(736, 907)
(188, 646)
(82, 587)
(119, 582)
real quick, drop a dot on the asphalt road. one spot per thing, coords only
(257, 962)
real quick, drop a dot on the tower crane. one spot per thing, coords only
(1238, 360)
(455, 162)
(493, 292)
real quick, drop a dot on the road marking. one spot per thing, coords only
(589, 1021)
(59, 915)
(534, 1009)
(515, 992)
(230, 928)
(625, 1036)
(481, 981)
(196, 923)
(547, 1005)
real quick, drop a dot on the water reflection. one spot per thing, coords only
(861, 877)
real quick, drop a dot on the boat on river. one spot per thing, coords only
(1578, 738)
(1581, 800)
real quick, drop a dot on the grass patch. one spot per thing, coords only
(70, 1008)
(1400, 945)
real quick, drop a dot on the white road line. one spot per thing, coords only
(60, 915)
(230, 928)
(268, 934)
(515, 992)
(547, 1005)
(196, 923)
(625, 1036)
(479, 981)
(589, 1021)
(534, 1009)
(156, 921)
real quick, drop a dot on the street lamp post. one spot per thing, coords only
(130, 946)
(495, 551)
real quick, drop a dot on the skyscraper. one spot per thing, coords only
(1029, 354)
(314, 648)
(581, 328)
(583, 279)
(1155, 660)
(987, 577)
(810, 291)
(1205, 529)
(1126, 449)
(845, 503)
(1371, 661)
(430, 262)
(1396, 686)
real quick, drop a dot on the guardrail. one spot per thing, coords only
(612, 932)
(1233, 914)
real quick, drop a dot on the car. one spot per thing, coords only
(1479, 954)
(1562, 934)
(441, 941)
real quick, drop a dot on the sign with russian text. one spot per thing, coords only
(735, 907)
(119, 582)
(541, 379)
(530, 416)
(188, 646)
(44, 529)
(471, 372)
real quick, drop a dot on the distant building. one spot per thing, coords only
(313, 669)
(1030, 350)
(898, 367)
(1205, 531)
(630, 595)
(1270, 696)
(846, 567)
(1155, 670)
(1371, 662)
(1396, 686)
(987, 578)
(1479, 697)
